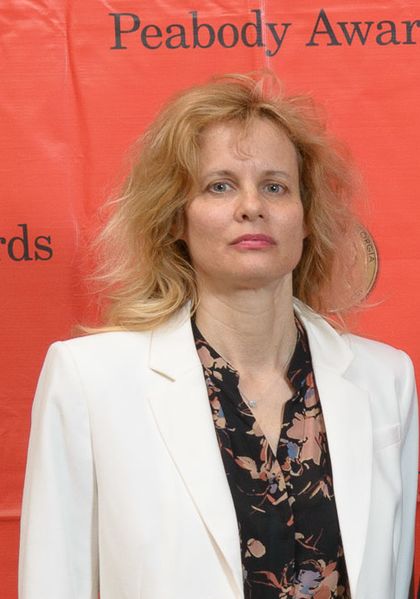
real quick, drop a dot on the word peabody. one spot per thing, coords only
(196, 33)
(201, 35)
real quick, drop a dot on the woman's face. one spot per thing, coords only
(244, 225)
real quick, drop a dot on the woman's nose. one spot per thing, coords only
(250, 205)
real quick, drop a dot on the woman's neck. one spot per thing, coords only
(253, 329)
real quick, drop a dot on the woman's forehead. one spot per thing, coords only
(258, 140)
(241, 129)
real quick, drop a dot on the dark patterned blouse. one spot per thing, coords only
(290, 539)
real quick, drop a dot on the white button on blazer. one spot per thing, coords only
(125, 488)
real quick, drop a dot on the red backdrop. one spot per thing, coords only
(81, 79)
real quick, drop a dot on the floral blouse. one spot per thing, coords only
(290, 539)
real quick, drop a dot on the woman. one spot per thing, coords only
(220, 439)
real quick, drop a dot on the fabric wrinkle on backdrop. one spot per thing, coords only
(81, 80)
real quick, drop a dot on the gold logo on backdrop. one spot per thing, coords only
(371, 258)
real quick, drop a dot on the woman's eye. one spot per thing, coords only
(275, 188)
(219, 187)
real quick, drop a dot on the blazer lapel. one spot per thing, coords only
(349, 432)
(179, 401)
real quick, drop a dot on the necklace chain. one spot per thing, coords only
(252, 403)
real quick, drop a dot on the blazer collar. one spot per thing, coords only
(172, 350)
(329, 348)
(178, 394)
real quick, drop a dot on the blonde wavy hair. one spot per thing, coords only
(144, 271)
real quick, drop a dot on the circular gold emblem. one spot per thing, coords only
(371, 258)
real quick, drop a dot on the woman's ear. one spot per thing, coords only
(177, 229)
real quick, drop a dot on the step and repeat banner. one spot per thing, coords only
(81, 79)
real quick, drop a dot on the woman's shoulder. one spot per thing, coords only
(347, 350)
(372, 351)
(381, 366)
(362, 347)
(366, 346)
(104, 341)
(103, 348)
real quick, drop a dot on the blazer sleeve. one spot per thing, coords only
(409, 472)
(58, 545)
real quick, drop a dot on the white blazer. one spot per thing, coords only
(125, 487)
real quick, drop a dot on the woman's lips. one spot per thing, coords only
(253, 241)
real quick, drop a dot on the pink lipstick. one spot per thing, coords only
(253, 241)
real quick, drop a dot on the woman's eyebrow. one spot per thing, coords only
(228, 173)
(275, 173)
(217, 173)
